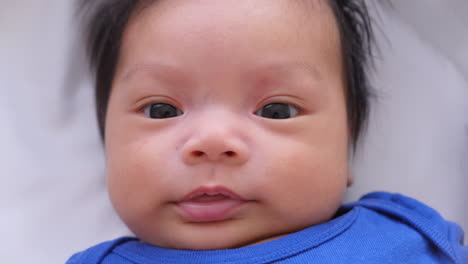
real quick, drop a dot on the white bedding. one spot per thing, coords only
(52, 194)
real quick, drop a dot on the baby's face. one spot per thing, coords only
(227, 122)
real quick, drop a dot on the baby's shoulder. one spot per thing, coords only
(402, 216)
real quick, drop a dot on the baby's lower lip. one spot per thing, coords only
(208, 210)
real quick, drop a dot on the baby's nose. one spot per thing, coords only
(215, 146)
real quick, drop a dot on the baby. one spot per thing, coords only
(228, 126)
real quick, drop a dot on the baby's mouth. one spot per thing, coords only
(209, 204)
(205, 198)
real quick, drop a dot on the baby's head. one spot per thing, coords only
(228, 122)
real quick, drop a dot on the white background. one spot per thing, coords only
(52, 193)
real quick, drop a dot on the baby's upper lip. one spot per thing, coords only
(211, 191)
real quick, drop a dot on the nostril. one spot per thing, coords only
(198, 153)
(230, 153)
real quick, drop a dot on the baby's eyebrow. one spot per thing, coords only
(172, 73)
(162, 70)
(283, 69)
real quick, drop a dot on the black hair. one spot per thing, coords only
(109, 19)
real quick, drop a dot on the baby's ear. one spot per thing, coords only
(350, 179)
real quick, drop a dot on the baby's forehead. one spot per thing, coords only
(220, 13)
(262, 29)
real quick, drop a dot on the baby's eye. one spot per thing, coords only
(161, 111)
(278, 111)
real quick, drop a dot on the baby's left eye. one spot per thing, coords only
(161, 111)
(278, 111)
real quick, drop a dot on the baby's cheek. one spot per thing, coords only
(307, 184)
(130, 175)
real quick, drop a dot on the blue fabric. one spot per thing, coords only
(379, 228)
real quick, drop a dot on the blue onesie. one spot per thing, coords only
(379, 228)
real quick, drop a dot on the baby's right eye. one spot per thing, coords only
(161, 111)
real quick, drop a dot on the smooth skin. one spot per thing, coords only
(219, 63)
